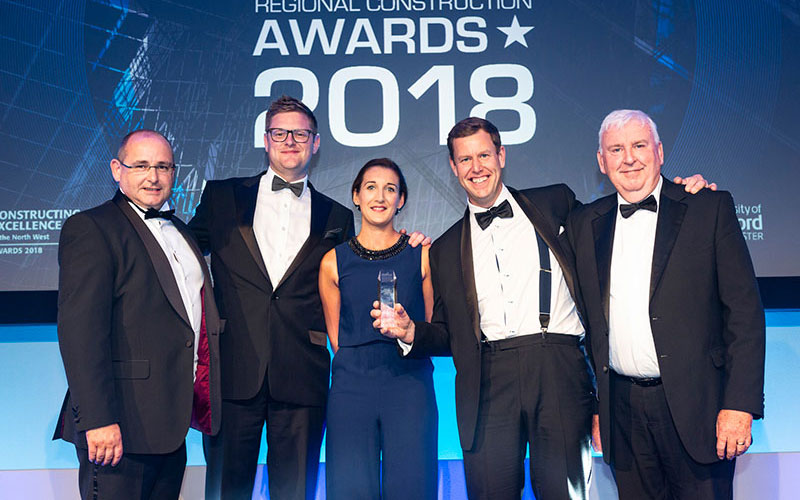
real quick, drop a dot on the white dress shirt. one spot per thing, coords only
(282, 223)
(185, 267)
(505, 260)
(631, 348)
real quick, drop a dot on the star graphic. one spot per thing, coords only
(515, 33)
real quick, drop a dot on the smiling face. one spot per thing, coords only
(478, 165)
(631, 158)
(379, 196)
(290, 159)
(148, 189)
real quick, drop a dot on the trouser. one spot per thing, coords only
(135, 477)
(294, 436)
(649, 460)
(536, 391)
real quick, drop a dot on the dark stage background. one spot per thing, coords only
(389, 78)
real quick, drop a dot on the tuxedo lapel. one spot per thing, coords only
(603, 233)
(468, 275)
(166, 278)
(670, 217)
(549, 234)
(320, 210)
(245, 195)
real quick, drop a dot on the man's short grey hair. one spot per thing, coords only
(620, 117)
(122, 151)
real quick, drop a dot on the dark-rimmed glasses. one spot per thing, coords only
(300, 135)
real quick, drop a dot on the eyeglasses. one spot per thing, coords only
(280, 134)
(145, 167)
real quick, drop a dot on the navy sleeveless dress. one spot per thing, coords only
(381, 417)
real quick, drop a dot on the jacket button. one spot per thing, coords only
(654, 318)
(275, 297)
(188, 343)
(605, 369)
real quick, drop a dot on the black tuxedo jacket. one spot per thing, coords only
(275, 325)
(705, 310)
(455, 326)
(124, 333)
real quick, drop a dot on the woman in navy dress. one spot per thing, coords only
(381, 417)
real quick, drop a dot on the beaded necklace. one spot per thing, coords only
(386, 253)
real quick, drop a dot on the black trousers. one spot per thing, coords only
(135, 477)
(294, 436)
(535, 391)
(648, 458)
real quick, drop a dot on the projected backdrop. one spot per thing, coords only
(389, 78)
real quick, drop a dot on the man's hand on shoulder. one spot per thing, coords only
(416, 238)
(695, 183)
(105, 445)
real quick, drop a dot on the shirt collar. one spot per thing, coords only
(504, 195)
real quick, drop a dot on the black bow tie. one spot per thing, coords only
(295, 187)
(152, 213)
(502, 210)
(648, 203)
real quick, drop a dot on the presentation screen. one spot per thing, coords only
(389, 78)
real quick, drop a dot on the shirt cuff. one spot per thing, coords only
(406, 348)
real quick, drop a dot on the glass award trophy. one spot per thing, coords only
(387, 294)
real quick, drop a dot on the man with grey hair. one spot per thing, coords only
(674, 319)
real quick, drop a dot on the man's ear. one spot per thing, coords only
(116, 169)
(601, 163)
(315, 147)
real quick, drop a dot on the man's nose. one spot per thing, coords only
(629, 155)
(152, 174)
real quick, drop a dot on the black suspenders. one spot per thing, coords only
(545, 275)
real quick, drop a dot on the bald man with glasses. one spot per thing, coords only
(138, 331)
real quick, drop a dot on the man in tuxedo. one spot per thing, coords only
(503, 308)
(266, 235)
(675, 322)
(138, 331)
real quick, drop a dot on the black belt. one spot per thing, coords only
(532, 339)
(640, 381)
